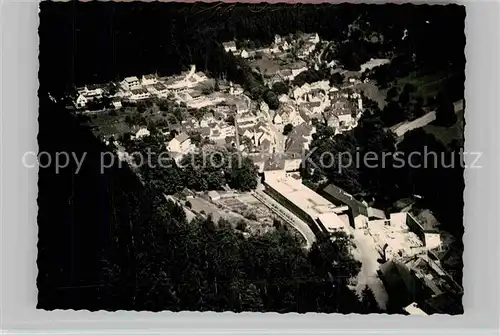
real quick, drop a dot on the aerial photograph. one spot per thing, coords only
(287, 158)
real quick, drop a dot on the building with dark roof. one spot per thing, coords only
(401, 285)
(358, 216)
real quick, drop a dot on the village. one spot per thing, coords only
(399, 251)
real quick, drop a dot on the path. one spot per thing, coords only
(367, 254)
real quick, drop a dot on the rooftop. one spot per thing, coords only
(131, 79)
(159, 86)
(182, 137)
(310, 202)
(139, 91)
(345, 198)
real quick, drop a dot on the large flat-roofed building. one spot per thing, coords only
(322, 215)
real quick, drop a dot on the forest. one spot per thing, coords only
(124, 39)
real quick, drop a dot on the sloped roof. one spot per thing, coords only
(357, 207)
(131, 79)
(401, 285)
(376, 213)
(182, 137)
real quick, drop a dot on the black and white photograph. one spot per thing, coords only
(251, 157)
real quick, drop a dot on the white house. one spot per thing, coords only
(92, 93)
(285, 46)
(244, 54)
(237, 90)
(296, 72)
(85, 95)
(139, 94)
(158, 89)
(117, 104)
(149, 79)
(313, 38)
(81, 101)
(142, 132)
(278, 120)
(180, 144)
(130, 83)
(230, 46)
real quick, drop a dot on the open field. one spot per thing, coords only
(447, 134)
(427, 85)
(266, 65)
(371, 91)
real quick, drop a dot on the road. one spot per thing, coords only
(367, 254)
(287, 216)
(402, 128)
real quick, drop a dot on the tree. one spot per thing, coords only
(207, 90)
(336, 79)
(271, 99)
(368, 302)
(241, 225)
(173, 133)
(230, 120)
(243, 174)
(392, 114)
(287, 129)
(247, 142)
(445, 112)
(392, 94)
(195, 138)
(280, 88)
(200, 113)
(141, 107)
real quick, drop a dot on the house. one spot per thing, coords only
(91, 92)
(402, 287)
(278, 120)
(180, 144)
(117, 104)
(358, 216)
(286, 74)
(81, 101)
(207, 119)
(86, 94)
(299, 138)
(312, 108)
(344, 110)
(285, 46)
(139, 94)
(264, 107)
(142, 132)
(236, 90)
(158, 89)
(130, 83)
(149, 79)
(244, 54)
(200, 76)
(312, 38)
(229, 46)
